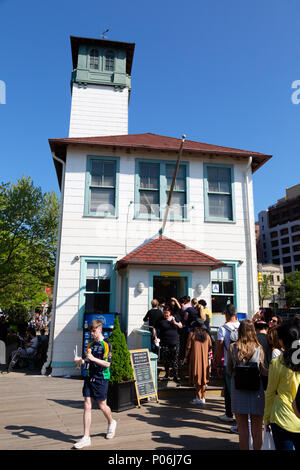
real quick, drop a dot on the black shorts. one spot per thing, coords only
(95, 388)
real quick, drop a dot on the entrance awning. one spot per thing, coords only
(168, 252)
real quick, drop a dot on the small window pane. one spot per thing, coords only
(218, 179)
(149, 176)
(103, 173)
(177, 204)
(228, 287)
(219, 206)
(227, 273)
(149, 202)
(91, 285)
(92, 270)
(97, 303)
(104, 285)
(105, 270)
(110, 61)
(102, 200)
(94, 59)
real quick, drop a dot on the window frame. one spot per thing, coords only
(235, 272)
(207, 217)
(87, 202)
(109, 53)
(162, 190)
(94, 49)
(84, 260)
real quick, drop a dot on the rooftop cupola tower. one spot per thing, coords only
(101, 84)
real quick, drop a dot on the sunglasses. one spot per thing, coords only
(274, 321)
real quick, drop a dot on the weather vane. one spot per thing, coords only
(103, 34)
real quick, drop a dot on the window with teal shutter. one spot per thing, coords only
(218, 192)
(153, 183)
(101, 191)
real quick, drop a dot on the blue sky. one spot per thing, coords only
(220, 71)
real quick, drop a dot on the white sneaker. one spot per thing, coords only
(85, 441)
(198, 401)
(226, 419)
(111, 430)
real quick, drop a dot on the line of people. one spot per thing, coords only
(261, 372)
(182, 330)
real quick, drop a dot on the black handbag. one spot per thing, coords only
(247, 376)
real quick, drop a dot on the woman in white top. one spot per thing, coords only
(274, 342)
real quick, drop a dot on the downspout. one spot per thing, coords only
(53, 312)
(249, 244)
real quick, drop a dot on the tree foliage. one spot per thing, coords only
(265, 289)
(120, 368)
(292, 285)
(28, 239)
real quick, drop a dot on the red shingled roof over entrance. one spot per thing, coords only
(165, 251)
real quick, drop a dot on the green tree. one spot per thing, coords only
(28, 239)
(292, 286)
(265, 289)
(120, 368)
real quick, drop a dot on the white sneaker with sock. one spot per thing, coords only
(85, 441)
(198, 401)
(111, 430)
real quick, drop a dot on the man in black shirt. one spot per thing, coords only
(154, 314)
(168, 328)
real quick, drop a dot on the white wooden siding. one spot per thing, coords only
(92, 236)
(98, 110)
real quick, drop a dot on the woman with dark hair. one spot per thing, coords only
(283, 383)
(274, 343)
(168, 328)
(275, 321)
(197, 349)
(245, 401)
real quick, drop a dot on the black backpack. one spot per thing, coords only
(247, 376)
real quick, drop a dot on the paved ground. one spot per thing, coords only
(45, 413)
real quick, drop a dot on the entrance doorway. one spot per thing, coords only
(169, 286)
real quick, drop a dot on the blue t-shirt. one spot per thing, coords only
(98, 351)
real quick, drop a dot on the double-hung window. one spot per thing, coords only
(97, 286)
(101, 186)
(223, 287)
(218, 193)
(94, 59)
(153, 184)
(110, 61)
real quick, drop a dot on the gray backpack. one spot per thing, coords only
(233, 334)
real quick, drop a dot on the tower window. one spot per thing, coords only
(94, 59)
(110, 61)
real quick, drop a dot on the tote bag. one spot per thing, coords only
(268, 443)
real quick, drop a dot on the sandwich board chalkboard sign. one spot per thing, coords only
(143, 374)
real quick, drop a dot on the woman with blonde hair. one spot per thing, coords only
(246, 399)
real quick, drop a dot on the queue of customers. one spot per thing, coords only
(182, 330)
(261, 371)
(258, 360)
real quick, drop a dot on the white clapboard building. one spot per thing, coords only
(115, 254)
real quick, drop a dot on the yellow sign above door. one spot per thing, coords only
(170, 274)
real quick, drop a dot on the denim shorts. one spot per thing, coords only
(95, 388)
